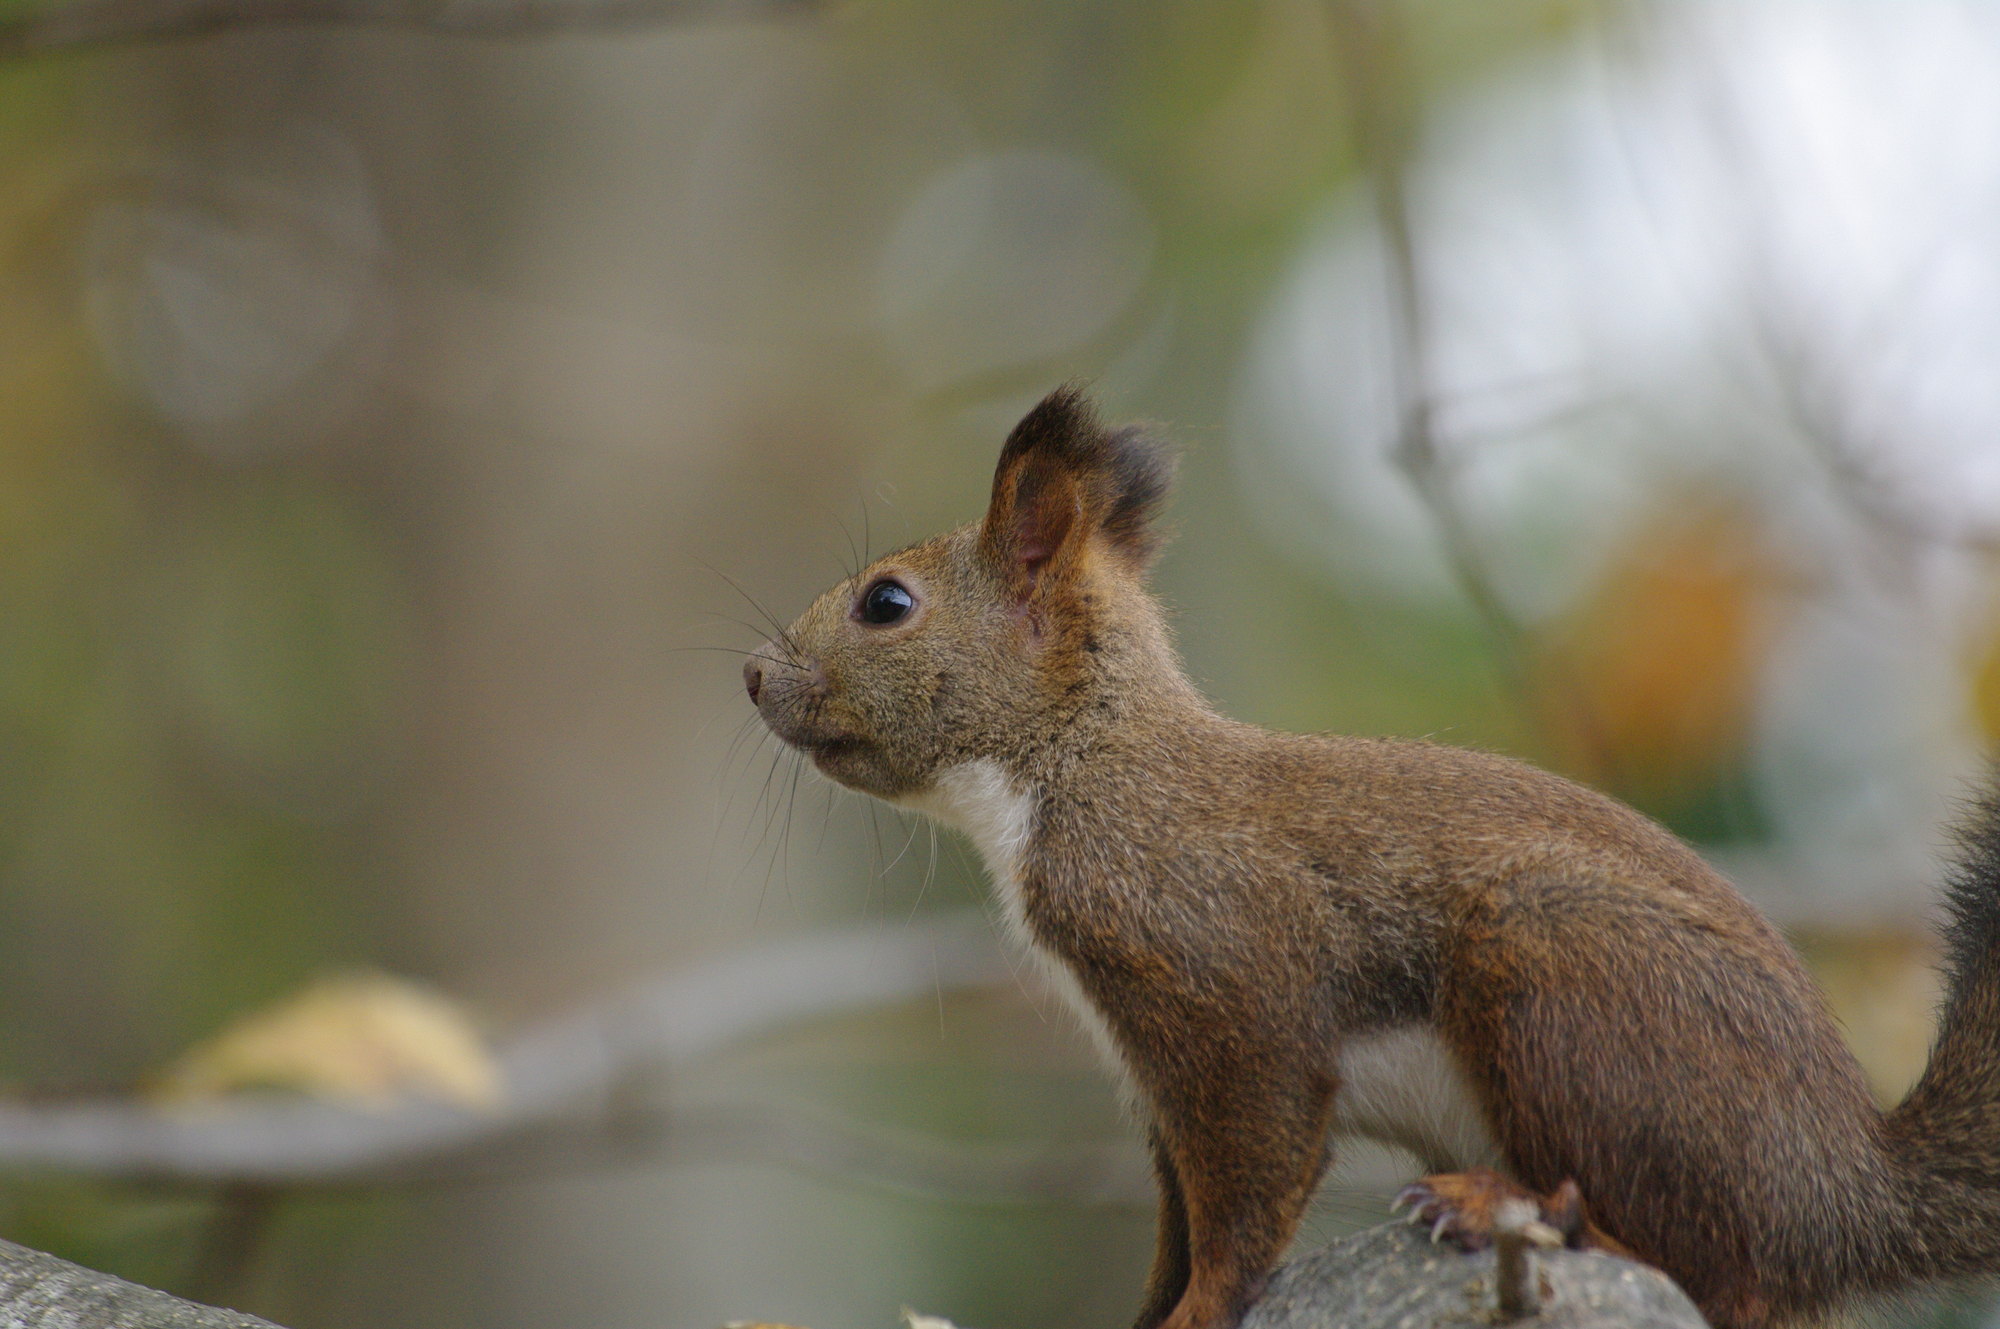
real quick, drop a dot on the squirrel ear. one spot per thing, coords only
(1064, 480)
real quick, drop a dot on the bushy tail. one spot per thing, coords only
(1947, 1132)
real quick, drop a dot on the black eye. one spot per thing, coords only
(885, 602)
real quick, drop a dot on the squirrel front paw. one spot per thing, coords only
(1464, 1207)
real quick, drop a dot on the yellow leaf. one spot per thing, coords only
(1986, 690)
(1883, 986)
(363, 1037)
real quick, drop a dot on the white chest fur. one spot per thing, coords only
(1401, 1087)
(998, 816)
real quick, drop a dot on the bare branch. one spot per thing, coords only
(1814, 380)
(1815, 405)
(84, 24)
(1377, 70)
(961, 1171)
(230, 1241)
(1380, 80)
(572, 1074)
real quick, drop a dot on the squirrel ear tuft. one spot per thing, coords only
(1063, 481)
(1141, 472)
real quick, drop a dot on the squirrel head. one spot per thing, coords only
(1011, 638)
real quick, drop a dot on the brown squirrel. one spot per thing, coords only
(1283, 937)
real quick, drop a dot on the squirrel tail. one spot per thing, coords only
(1946, 1134)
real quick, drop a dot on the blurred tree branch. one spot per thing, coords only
(1384, 108)
(1382, 105)
(85, 24)
(594, 1071)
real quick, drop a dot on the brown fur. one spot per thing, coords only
(1239, 905)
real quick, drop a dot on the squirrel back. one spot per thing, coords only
(1279, 936)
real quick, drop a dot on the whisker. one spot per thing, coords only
(875, 878)
(764, 836)
(885, 495)
(930, 873)
(730, 788)
(731, 618)
(826, 818)
(791, 815)
(916, 824)
(726, 650)
(783, 639)
(777, 628)
(765, 801)
(855, 563)
(701, 730)
(743, 730)
(763, 804)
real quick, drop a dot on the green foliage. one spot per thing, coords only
(148, 1237)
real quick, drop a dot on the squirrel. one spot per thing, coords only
(1285, 938)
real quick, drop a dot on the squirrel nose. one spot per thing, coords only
(753, 678)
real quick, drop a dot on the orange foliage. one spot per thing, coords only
(1650, 678)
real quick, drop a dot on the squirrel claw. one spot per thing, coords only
(1427, 1207)
(1463, 1207)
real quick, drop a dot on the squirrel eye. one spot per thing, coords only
(885, 602)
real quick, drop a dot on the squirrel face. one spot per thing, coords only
(987, 641)
(871, 682)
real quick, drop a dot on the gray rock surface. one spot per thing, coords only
(1393, 1277)
(39, 1291)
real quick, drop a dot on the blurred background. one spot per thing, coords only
(400, 421)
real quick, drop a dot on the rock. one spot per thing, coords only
(1394, 1277)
